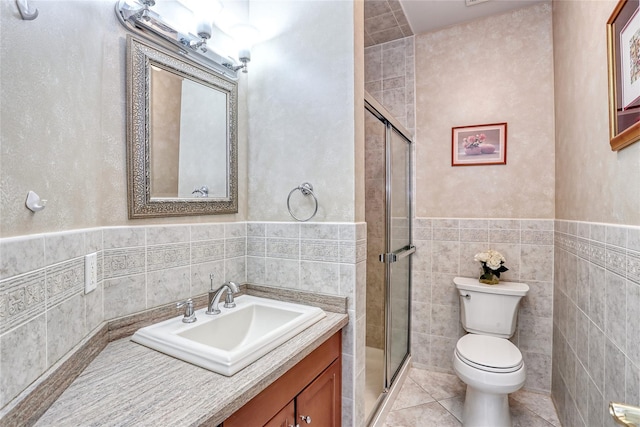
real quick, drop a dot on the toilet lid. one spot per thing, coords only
(489, 353)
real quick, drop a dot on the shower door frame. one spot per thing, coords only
(389, 257)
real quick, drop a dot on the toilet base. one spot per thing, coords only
(483, 409)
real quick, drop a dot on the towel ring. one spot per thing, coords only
(306, 189)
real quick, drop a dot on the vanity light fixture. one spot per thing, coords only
(245, 36)
(171, 22)
(204, 32)
(206, 11)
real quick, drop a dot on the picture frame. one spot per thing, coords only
(623, 50)
(630, 61)
(479, 145)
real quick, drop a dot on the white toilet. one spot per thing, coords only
(485, 360)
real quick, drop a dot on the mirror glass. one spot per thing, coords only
(182, 135)
(188, 137)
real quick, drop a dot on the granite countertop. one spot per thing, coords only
(128, 384)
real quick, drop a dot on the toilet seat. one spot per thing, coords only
(490, 354)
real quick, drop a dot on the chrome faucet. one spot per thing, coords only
(214, 297)
(201, 192)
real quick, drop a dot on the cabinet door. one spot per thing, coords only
(284, 418)
(320, 403)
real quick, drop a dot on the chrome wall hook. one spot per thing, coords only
(27, 13)
(34, 203)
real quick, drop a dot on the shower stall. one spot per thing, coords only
(388, 204)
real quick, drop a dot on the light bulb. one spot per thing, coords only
(204, 29)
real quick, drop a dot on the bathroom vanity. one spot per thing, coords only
(309, 392)
(128, 384)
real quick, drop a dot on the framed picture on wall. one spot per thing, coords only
(630, 58)
(479, 145)
(623, 54)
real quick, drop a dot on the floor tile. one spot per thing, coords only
(439, 385)
(437, 399)
(523, 417)
(411, 394)
(429, 414)
(538, 403)
(454, 405)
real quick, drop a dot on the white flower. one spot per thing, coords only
(481, 257)
(490, 258)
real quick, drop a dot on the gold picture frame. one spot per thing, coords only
(624, 117)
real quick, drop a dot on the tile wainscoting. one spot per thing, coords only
(445, 248)
(596, 321)
(44, 313)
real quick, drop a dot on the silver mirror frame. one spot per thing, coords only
(139, 56)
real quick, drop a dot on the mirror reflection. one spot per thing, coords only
(188, 137)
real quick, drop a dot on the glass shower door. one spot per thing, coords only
(388, 152)
(399, 248)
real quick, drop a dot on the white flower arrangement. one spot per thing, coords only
(492, 265)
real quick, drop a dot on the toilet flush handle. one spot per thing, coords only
(467, 296)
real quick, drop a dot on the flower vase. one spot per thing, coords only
(489, 277)
(473, 151)
(487, 148)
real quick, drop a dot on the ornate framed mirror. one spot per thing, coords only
(182, 140)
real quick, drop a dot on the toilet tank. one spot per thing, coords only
(489, 309)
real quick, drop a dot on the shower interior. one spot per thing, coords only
(388, 214)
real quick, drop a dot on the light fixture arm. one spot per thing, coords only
(244, 57)
(237, 68)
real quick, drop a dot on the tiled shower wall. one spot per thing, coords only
(445, 248)
(44, 312)
(389, 78)
(375, 208)
(596, 322)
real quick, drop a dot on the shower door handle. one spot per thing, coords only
(396, 256)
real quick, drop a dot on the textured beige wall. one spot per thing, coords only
(63, 119)
(498, 69)
(593, 182)
(302, 106)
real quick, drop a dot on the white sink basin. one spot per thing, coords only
(227, 342)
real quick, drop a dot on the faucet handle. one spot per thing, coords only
(189, 313)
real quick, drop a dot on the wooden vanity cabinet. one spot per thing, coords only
(312, 388)
(284, 418)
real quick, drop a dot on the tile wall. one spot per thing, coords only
(445, 248)
(375, 208)
(44, 312)
(384, 20)
(596, 322)
(389, 78)
(328, 258)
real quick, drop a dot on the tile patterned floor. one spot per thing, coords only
(435, 399)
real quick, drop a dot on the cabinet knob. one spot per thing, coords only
(306, 419)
